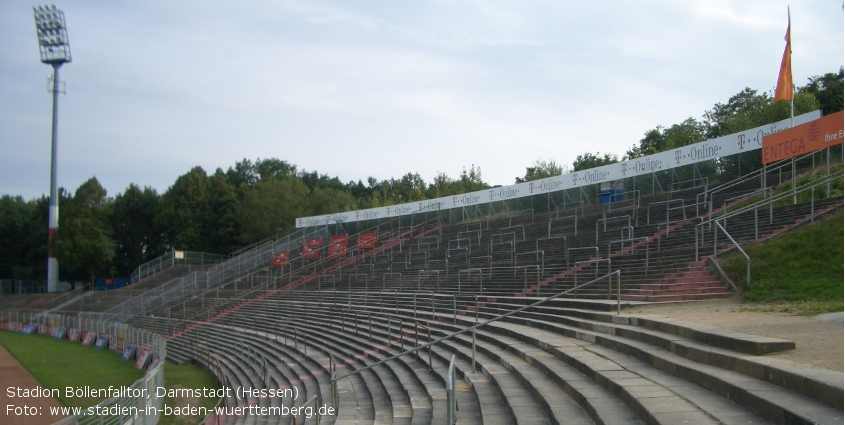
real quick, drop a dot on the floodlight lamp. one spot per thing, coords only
(52, 35)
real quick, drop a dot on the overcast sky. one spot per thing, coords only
(380, 88)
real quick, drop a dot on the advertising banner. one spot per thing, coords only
(142, 359)
(128, 353)
(805, 138)
(732, 144)
(337, 247)
(279, 260)
(314, 243)
(309, 253)
(367, 240)
(102, 342)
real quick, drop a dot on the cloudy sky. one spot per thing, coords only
(380, 88)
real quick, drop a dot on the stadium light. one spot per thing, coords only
(55, 50)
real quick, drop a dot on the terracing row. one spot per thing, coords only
(563, 362)
(535, 255)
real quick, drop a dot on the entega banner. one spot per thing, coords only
(732, 144)
(812, 136)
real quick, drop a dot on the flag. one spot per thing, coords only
(785, 90)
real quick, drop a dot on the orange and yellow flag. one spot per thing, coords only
(785, 89)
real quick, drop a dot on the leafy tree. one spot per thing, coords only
(470, 181)
(827, 89)
(242, 174)
(270, 205)
(748, 109)
(23, 232)
(589, 160)
(330, 200)
(219, 216)
(440, 186)
(137, 236)
(274, 168)
(746, 102)
(541, 169)
(661, 138)
(83, 244)
(182, 210)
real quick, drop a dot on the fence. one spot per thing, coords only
(17, 286)
(199, 281)
(139, 403)
(174, 258)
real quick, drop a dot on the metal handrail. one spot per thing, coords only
(724, 186)
(616, 273)
(747, 258)
(762, 203)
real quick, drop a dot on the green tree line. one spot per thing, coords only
(101, 235)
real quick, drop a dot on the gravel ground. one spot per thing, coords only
(818, 340)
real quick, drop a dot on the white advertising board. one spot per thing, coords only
(731, 144)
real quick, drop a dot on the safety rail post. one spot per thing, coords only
(432, 306)
(417, 338)
(430, 365)
(473, 333)
(451, 401)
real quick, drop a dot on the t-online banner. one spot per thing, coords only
(732, 144)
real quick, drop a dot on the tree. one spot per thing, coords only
(23, 232)
(747, 101)
(182, 211)
(827, 89)
(242, 174)
(137, 236)
(269, 206)
(660, 138)
(470, 181)
(541, 169)
(590, 160)
(219, 216)
(83, 243)
(274, 168)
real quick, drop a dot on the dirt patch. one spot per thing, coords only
(14, 375)
(818, 343)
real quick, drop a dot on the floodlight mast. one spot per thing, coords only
(55, 50)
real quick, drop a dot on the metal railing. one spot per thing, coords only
(140, 403)
(478, 325)
(721, 220)
(175, 258)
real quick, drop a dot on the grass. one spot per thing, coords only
(61, 363)
(74, 365)
(186, 376)
(799, 272)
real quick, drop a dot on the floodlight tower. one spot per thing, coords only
(55, 50)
